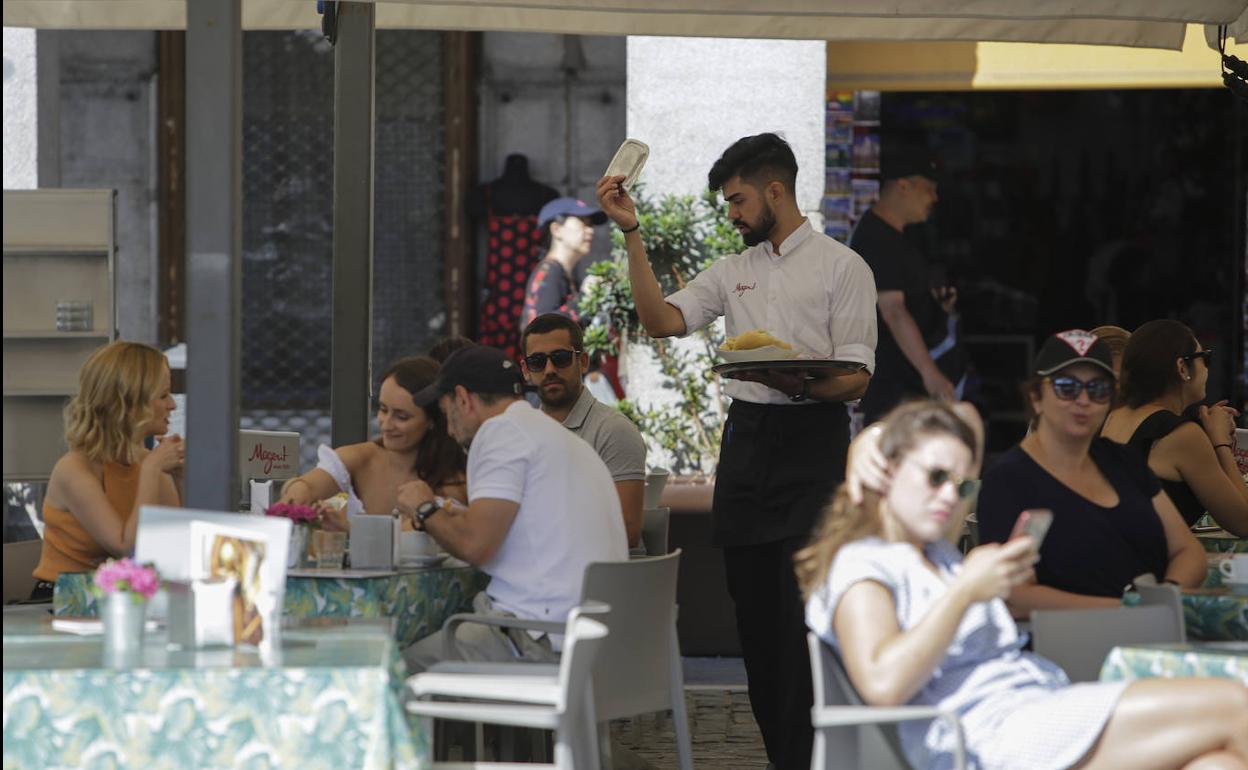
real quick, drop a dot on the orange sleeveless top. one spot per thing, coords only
(66, 545)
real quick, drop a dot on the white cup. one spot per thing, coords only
(1234, 568)
(413, 545)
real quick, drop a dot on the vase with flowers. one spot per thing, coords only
(304, 519)
(124, 587)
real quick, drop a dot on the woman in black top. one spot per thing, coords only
(1111, 521)
(1164, 372)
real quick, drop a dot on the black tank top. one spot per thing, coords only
(1155, 427)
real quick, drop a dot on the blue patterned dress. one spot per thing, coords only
(1018, 710)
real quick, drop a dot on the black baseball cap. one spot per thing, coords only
(901, 161)
(569, 207)
(480, 369)
(1073, 346)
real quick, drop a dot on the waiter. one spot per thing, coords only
(784, 445)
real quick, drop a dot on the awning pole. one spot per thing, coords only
(350, 377)
(214, 44)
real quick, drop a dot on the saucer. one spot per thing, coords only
(422, 562)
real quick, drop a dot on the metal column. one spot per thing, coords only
(350, 377)
(214, 45)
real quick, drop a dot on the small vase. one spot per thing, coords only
(297, 555)
(124, 615)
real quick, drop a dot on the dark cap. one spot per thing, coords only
(569, 207)
(480, 369)
(1073, 346)
(901, 161)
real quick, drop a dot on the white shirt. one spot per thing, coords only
(569, 511)
(816, 294)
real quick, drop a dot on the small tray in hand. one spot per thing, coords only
(827, 367)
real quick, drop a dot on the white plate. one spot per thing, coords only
(420, 562)
(765, 353)
(628, 161)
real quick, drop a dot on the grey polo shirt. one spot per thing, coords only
(612, 435)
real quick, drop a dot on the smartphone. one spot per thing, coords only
(1034, 522)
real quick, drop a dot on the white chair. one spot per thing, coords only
(656, 479)
(1079, 640)
(1165, 595)
(654, 527)
(561, 699)
(850, 734)
(639, 670)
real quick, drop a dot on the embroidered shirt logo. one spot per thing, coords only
(1078, 339)
(743, 288)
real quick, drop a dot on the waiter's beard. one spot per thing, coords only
(757, 232)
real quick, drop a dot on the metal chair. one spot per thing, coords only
(561, 699)
(654, 528)
(851, 734)
(639, 669)
(1079, 640)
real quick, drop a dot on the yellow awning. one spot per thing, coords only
(914, 66)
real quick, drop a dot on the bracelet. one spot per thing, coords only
(631, 229)
(1216, 447)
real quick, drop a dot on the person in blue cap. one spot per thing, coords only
(567, 227)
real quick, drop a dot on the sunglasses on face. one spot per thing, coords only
(938, 477)
(562, 359)
(1206, 355)
(1100, 390)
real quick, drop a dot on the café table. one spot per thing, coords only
(1222, 542)
(327, 697)
(419, 600)
(1210, 614)
(1215, 659)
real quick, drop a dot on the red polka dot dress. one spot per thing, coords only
(511, 252)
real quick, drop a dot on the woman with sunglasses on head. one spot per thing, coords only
(1164, 373)
(413, 445)
(915, 623)
(1111, 520)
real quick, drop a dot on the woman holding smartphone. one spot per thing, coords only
(1111, 520)
(915, 623)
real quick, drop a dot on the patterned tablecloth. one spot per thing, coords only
(420, 600)
(1222, 542)
(1225, 659)
(329, 698)
(1210, 614)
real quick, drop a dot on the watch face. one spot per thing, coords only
(426, 509)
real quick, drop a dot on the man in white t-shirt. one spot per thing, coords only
(541, 506)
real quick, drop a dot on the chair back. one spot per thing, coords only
(1079, 640)
(1165, 595)
(874, 746)
(656, 479)
(642, 652)
(20, 560)
(654, 526)
(582, 644)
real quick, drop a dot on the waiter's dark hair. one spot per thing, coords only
(758, 160)
(551, 322)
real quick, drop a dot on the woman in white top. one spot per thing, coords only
(413, 445)
(914, 623)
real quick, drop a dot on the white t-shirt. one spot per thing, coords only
(569, 511)
(816, 294)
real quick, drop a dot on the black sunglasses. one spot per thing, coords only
(1206, 354)
(562, 359)
(1100, 390)
(938, 477)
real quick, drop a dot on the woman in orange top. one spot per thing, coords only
(91, 508)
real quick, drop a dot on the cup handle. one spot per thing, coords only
(1226, 567)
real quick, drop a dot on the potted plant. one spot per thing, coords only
(124, 588)
(681, 411)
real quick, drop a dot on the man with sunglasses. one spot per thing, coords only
(555, 362)
(784, 443)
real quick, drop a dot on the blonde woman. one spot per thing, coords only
(90, 512)
(915, 623)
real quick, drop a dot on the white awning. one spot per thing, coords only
(1139, 23)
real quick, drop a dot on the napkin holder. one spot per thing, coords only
(263, 494)
(374, 542)
(201, 612)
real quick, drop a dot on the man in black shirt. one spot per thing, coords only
(913, 308)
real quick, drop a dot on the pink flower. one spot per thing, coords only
(300, 514)
(125, 575)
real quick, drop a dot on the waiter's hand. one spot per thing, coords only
(616, 202)
(787, 381)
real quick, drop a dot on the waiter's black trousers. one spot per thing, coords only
(771, 623)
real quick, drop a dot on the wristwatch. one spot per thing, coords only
(425, 510)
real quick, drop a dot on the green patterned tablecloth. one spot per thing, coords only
(1227, 659)
(1222, 542)
(326, 699)
(420, 601)
(1210, 614)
